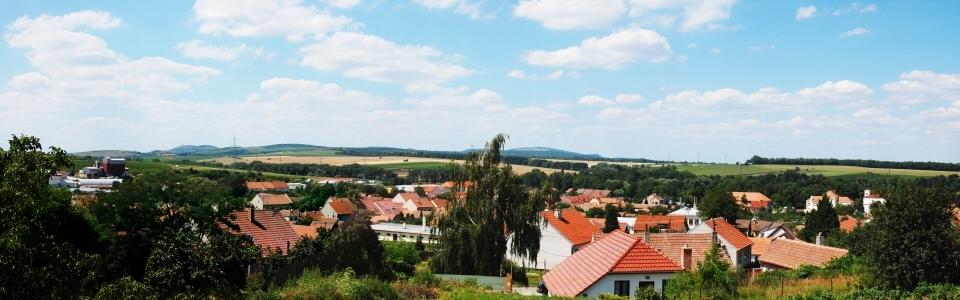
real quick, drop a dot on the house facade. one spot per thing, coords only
(338, 208)
(564, 232)
(869, 199)
(814, 200)
(734, 242)
(271, 201)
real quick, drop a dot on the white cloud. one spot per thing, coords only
(806, 12)
(760, 48)
(571, 14)
(920, 86)
(458, 98)
(856, 8)
(464, 7)
(554, 75)
(345, 4)
(255, 18)
(854, 32)
(372, 58)
(715, 50)
(839, 90)
(697, 14)
(619, 99)
(199, 49)
(609, 52)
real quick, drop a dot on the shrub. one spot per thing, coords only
(646, 293)
(125, 288)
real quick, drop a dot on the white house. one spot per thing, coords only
(734, 242)
(869, 199)
(270, 201)
(338, 208)
(813, 201)
(691, 213)
(404, 232)
(564, 232)
(617, 263)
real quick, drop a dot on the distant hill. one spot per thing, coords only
(544, 152)
(110, 153)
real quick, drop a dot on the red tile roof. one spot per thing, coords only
(573, 226)
(617, 252)
(274, 199)
(309, 231)
(672, 244)
(269, 230)
(729, 233)
(760, 245)
(266, 185)
(751, 196)
(674, 223)
(325, 223)
(793, 253)
(641, 258)
(341, 206)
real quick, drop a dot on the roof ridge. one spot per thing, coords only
(806, 243)
(624, 254)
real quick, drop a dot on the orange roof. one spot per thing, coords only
(672, 244)
(760, 245)
(573, 225)
(266, 185)
(641, 258)
(751, 196)
(268, 230)
(848, 224)
(792, 254)
(729, 233)
(617, 252)
(324, 222)
(274, 199)
(674, 223)
(341, 206)
(309, 231)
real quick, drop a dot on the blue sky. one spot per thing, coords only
(717, 79)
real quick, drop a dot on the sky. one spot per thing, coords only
(712, 80)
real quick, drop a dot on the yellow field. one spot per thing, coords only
(339, 160)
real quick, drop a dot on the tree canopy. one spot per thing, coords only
(718, 203)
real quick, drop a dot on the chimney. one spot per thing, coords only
(646, 237)
(558, 213)
(252, 218)
(819, 238)
(686, 261)
(866, 193)
(404, 224)
(714, 237)
(424, 218)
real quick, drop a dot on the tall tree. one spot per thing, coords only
(911, 238)
(496, 210)
(823, 221)
(718, 203)
(610, 222)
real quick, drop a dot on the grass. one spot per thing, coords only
(838, 285)
(413, 165)
(724, 170)
(135, 166)
(203, 168)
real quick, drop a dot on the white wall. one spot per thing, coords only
(554, 248)
(257, 202)
(328, 211)
(606, 283)
(740, 259)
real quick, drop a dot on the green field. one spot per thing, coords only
(412, 165)
(723, 170)
(134, 166)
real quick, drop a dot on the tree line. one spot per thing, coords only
(868, 163)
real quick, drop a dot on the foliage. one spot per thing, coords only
(610, 222)
(181, 264)
(915, 226)
(595, 212)
(125, 288)
(400, 258)
(474, 232)
(356, 246)
(718, 203)
(713, 279)
(823, 221)
(857, 162)
(646, 293)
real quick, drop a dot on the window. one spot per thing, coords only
(621, 288)
(644, 284)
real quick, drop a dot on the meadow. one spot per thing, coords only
(724, 170)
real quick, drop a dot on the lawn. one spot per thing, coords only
(135, 166)
(723, 170)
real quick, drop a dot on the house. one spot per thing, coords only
(577, 199)
(292, 186)
(734, 242)
(680, 246)
(869, 199)
(597, 202)
(590, 192)
(291, 215)
(654, 199)
(764, 228)
(616, 264)
(759, 248)
(308, 231)
(754, 201)
(268, 186)
(791, 254)
(811, 203)
(325, 223)
(271, 201)
(267, 229)
(643, 223)
(691, 214)
(405, 196)
(331, 180)
(405, 232)
(563, 233)
(383, 209)
(338, 208)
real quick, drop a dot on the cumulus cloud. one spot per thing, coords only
(806, 12)
(342, 3)
(761, 48)
(619, 99)
(839, 90)
(199, 49)
(254, 18)
(457, 97)
(856, 8)
(464, 7)
(571, 14)
(854, 32)
(373, 58)
(554, 75)
(608, 52)
(696, 14)
(920, 86)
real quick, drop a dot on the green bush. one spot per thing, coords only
(646, 293)
(125, 288)
(611, 297)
